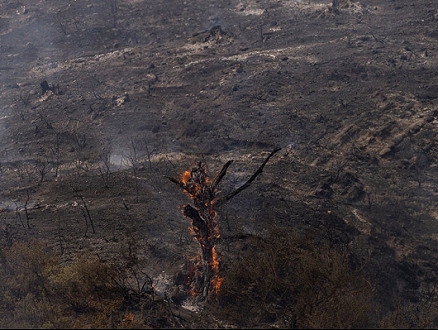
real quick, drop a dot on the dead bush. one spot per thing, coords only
(85, 284)
(288, 281)
(39, 290)
(25, 272)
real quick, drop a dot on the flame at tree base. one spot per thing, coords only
(202, 279)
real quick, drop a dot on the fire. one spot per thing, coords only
(185, 177)
(204, 229)
(204, 277)
(215, 261)
(217, 281)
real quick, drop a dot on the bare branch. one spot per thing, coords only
(247, 183)
(88, 213)
(179, 183)
(220, 175)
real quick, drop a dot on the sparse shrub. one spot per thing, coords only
(40, 291)
(85, 284)
(420, 315)
(26, 268)
(288, 281)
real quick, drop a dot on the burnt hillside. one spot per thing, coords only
(102, 100)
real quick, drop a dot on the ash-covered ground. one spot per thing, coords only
(136, 90)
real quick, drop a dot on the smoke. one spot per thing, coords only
(119, 161)
(215, 20)
(216, 17)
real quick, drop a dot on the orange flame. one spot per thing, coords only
(198, 185)
(185, 177)
(217, 281)
(215, 261)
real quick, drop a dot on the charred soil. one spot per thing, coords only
(100, 100)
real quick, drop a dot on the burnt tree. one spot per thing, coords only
(203, 279)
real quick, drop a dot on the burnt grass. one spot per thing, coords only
(139, 90)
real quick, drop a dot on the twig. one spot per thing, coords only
(25, 209)
(88, 213)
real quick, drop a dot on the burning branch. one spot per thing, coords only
(204, 277)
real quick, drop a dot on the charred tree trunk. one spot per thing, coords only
(204, 277)
(206, 232)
